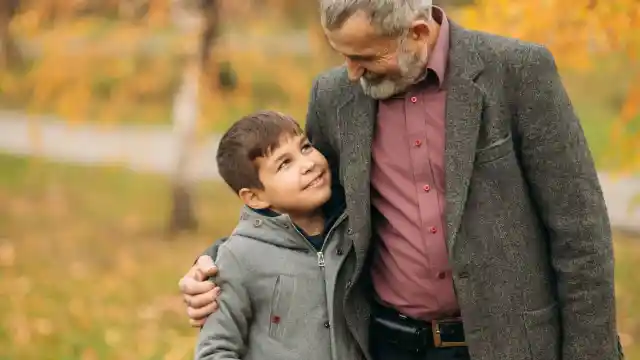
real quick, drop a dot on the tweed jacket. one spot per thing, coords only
(527, 231)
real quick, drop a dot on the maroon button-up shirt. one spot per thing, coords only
(411, 271)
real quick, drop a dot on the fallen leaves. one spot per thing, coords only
(96, 281)
(7, 254)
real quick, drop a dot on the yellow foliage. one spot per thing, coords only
(109, 70)
(578, 33)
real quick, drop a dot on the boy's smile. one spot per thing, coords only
(295, 177)
(318, 181)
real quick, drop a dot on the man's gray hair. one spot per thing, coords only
(388, 17)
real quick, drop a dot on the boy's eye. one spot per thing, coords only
(307, 147)
(283, 164)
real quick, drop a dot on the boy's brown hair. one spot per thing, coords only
(253, 136)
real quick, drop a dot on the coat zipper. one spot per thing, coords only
(320, 254)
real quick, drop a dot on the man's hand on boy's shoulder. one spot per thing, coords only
(198, 292)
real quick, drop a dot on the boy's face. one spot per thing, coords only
(295, 177)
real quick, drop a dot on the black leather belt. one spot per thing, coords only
(413, 335)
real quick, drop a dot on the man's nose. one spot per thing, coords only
(354, 70)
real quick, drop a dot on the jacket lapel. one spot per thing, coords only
(463, 117)
(356, 120)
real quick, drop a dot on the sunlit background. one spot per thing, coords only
(109, 115)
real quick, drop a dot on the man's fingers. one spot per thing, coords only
(200, 314)
(191, 274)
(206, 267)
(190, 286)
(204, 299)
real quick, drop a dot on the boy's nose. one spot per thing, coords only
(308, 166)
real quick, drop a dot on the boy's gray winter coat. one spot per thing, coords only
(277, 295)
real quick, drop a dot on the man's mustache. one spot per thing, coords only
(372, 77)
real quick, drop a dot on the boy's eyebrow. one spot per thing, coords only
(303, 139)
(280, 157)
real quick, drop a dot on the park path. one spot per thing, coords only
(146, 148)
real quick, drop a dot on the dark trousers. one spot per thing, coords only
(382, 338)
(384, 351)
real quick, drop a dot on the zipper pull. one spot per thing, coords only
(320, 259)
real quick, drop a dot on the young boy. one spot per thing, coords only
(280, 265)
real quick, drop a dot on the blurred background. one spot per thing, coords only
(110, 112)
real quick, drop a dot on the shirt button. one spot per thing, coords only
(414, 99)
(433, 230)
(327, 325)
(441, 275)
(417, 143)
(349, 231)
(426, 188)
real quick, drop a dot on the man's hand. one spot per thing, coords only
(198, 292)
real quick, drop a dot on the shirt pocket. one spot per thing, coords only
(280, 305)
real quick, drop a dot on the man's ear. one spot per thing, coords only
(420, 30)
(253, 198)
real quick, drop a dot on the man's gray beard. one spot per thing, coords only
(412, 70)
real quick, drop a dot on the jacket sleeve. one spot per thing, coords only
(224, 334)
(563, 182)
(212, 251)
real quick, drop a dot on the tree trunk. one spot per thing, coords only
(198, 20)
(9, 52)
(185, 115)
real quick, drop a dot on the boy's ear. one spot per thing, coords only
(253, 198)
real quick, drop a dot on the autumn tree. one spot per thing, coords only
(580, 33)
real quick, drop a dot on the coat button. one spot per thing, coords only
(339, 252)
(327, 325)
(350, 231)
(257, 222)
(349, 284)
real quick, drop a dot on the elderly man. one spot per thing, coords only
(478, 226)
